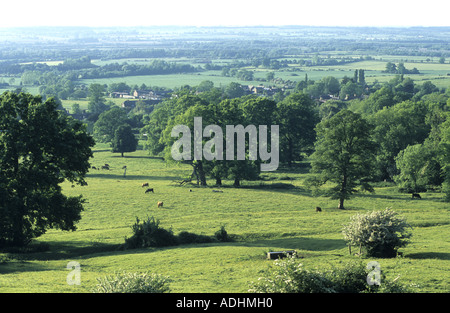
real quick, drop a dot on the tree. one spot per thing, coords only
(297, 118)
(107, 124)
(234, 90)
(124, 140)
(41, 148)
(361, 79)
(416, 163)
(444, 155)
(397, 127)
(344, 154)
(96, 98)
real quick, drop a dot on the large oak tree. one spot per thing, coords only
(40, 147)
(344, 154)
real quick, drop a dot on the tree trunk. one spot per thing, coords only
(237, 183)
(201, 173)
(218, 181)
(341, 204)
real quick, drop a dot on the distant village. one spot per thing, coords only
(150, 98)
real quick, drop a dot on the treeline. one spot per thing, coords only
(409, 126)
(84, 69)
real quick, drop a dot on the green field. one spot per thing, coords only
(276, 213)
(434, 72)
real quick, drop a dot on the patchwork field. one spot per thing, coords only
(275, 213)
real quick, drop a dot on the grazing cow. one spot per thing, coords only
(149, 190)
(416, 195)
(94, 168)
(145, 185)
(160, 204)
(318, 209)
(107, 165)
(104, 167)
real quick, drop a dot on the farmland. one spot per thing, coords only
(270, 211)
(262, 218)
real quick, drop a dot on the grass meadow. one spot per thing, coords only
(272, 214)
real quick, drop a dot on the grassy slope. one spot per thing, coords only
(264, 219)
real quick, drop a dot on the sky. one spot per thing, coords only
(24, 13)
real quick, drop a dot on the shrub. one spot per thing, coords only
(289, 276)
(381, 233)
(222, 235)
(133, 283)
(186, 238)
(149, 234)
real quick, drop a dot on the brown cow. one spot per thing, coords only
(160, 204)
(145, 185)
(318, 209)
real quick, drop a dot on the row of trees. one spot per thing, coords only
(349, 143)
(398, 133)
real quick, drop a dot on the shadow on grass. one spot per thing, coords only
(60, 250)
(128, 177)
(429, 255)
(137, 157)
(63, 250)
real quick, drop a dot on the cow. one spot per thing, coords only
(104, 167)
(149, 190)
(160, 204)
(416, 195)
(145, 185)
(318, 209)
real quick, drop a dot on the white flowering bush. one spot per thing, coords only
(133, 283)
(380, 233)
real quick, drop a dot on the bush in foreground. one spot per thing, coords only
(289, 276)
(133, 283)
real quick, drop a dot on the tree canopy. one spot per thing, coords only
(40, 148)
(344, 154)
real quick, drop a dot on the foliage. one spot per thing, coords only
(290, 276)
(222, 235)
(418, 167)
(127, 282)
(124, 140)
(297, 118)
(108, 122)
(41, 148)
(149, 234)
(344, 154)
(397, 127)
(381, 233)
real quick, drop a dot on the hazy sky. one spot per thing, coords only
(225, 12)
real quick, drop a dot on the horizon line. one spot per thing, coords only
(224, 26)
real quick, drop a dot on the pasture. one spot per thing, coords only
(272, 214)
(437, 73)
